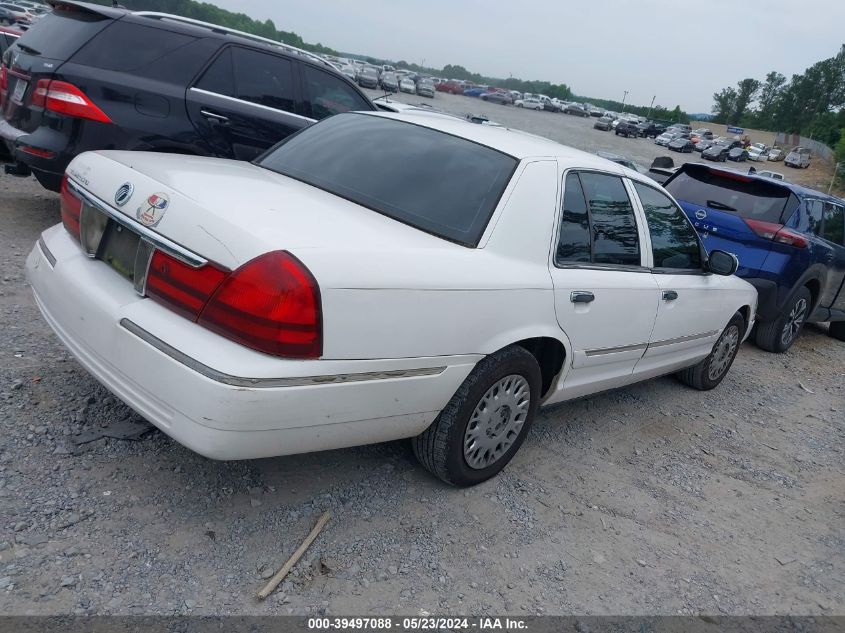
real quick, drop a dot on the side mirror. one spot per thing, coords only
(722, 263)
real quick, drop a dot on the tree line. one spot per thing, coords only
(208, 12)
(811, 103)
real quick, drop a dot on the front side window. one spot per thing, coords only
(264, 79)
(330, 95)
(673, 241)
(597, 223)
(834, 218)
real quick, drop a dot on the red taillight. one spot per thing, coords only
(271, 304)
(777, 233)
(180, 287)
(64, 98)
(71, 208)
(4, 83)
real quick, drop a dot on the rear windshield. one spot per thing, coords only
(60, 34)
(436, 182)
(748, 198)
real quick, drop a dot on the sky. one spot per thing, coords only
(681, 51)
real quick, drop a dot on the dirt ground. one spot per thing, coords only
(653, 499)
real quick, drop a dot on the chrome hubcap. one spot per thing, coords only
(723, 353)
(496, 421)
(794, 322)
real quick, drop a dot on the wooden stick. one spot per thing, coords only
(280, 575)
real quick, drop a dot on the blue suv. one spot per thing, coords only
(789, 241)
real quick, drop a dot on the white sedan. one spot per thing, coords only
(343, 290)
(529, 103)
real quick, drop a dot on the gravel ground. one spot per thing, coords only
(654, 499)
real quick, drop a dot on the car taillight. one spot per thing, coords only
(271, 304)
(71, 208)
(64, 98)
(4, 83)
(777, 233)
(180, 287)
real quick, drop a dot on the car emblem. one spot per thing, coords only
(152, 209)
(123, 193)
(701, 214)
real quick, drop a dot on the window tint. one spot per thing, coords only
(219, 77)
(126, 46)
(614, 229)
(433, 181)
(815, 213)
(330, 95)
(673, 240)
(834, 222)
(748, 198)
(61, 33)
(574, 240)
(264, 79)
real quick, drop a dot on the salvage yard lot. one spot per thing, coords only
(653, 499)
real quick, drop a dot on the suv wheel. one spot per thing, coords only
(709, 372)
(779, 334)
(837, 330)
(485, 422)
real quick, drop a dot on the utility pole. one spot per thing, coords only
(624, 96)
(835, 170)
(648, 116)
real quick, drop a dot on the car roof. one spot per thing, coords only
(520, 145)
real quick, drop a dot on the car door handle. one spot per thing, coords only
(217, 118)
(828, 258)
(669, 295)
(581, 296)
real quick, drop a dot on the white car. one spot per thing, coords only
(799, 157)
(329, 295)
(531, 103)
(774, 175)
(406, 84)
(758, 154)
(776, 154)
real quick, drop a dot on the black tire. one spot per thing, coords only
(440, 448)
(837, 330)
(708, 373)
(519, 105)
(773, 336)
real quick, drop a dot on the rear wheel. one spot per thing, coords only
(708, 373)
(837, 330)
(485, 422)
(779, 334)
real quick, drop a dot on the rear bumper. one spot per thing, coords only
(217, 398)
(767, 298)
(48, 171)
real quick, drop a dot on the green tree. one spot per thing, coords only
(725, 105)
(746, 92)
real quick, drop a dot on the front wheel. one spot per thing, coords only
(485, 422)
(779, 334)
(708, 373)
(518, 105)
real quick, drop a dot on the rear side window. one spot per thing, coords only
(436, 182)
(673, 241)
(746, 197)
(60, 34)
(597, 222)
(264, 79)
(834, 223)
(219, 78)
(126, 46)
(330, 95)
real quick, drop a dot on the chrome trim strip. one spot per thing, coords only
(48, 255)
(159, 241)
(614, 350)
(254, 105)
(268, 383)
(684, 339)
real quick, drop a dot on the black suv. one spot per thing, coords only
(88, 77)
(627, 128)
(651, 129)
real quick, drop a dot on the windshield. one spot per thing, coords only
(746, 197)
(436, 182)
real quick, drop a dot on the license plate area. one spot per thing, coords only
(116, 245)
(19, 91)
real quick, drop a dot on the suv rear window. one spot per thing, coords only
(747, 197)
(60, 34)
(436, 182)
(126, 46)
